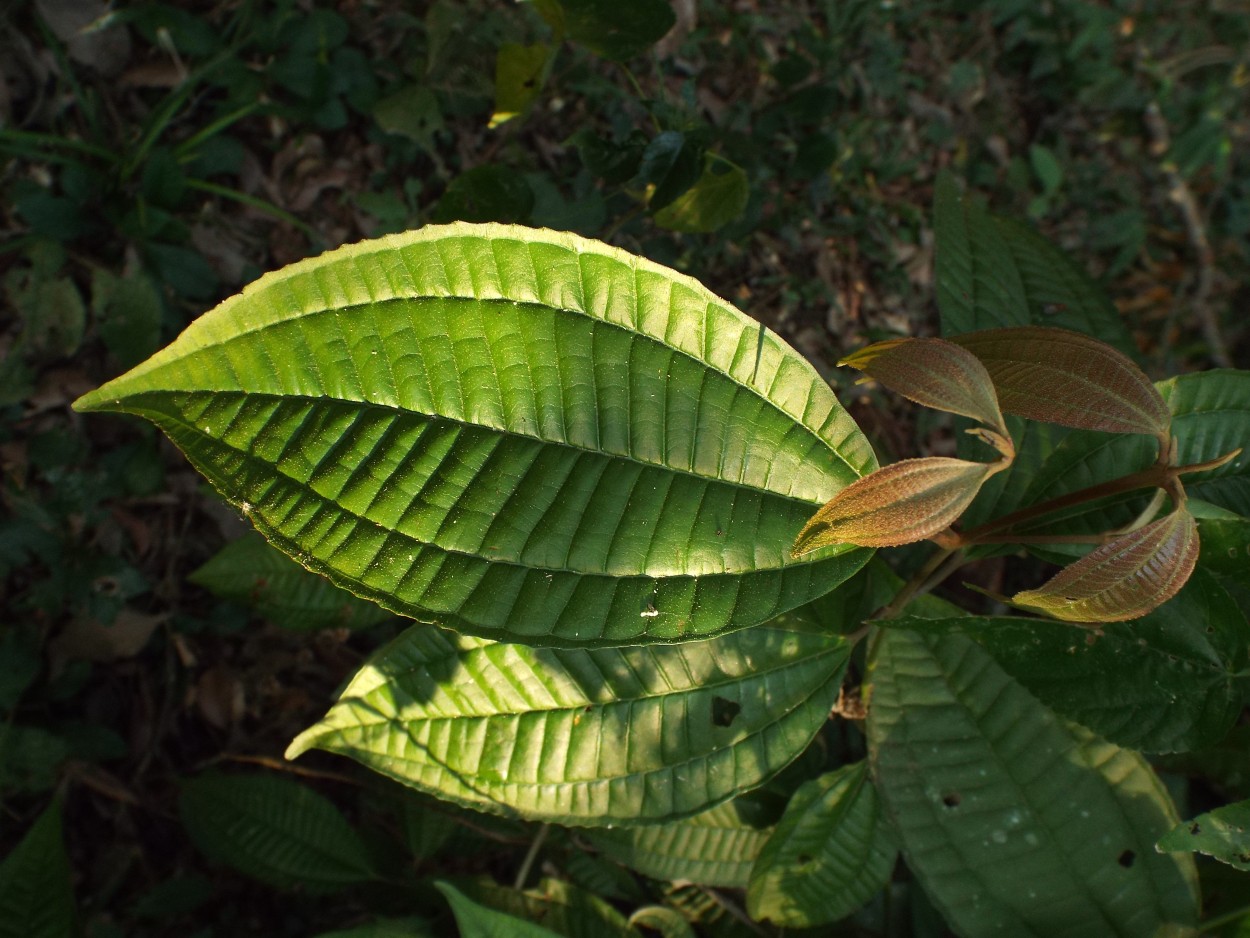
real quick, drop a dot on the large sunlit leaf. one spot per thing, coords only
(1124, 578)
(274, 829)
(1223, 833)
(36, 892)
(1015, 822)
(586, 736)
(713, 848)
(904, 502)
(1067, 378)
(830, 853)
(515, 433)
(1167, 682)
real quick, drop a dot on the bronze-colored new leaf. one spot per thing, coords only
(901, 503)
(935, 373)
(1124, 578)
(1067, 378)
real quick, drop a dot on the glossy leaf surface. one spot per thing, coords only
(1167, 682)
(904, 502)
(275, 830)
(1015, 822)
(1123, 579)
(831, 852)
(1223, 833)
(585, 736)
(1067, 378)
(713, 848)
(514, 433)
(935, 373)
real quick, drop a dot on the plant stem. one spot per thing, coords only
(531, 855)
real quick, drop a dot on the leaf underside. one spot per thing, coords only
(586, 737)
(514, 433)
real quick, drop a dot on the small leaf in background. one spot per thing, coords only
(411, 112)
(830, 853)
(613, 161)
(718, 196)
(251, 572)
(1067, 378)
(616, 30)
(488, 192)
(478, 921)
(36, 893)
(519, 74)
(934, 373)
(1047, 169)
(1223, 833)
(275, 830)
(898, 504)
(671, 163)
(1123, 579)
(128, 312)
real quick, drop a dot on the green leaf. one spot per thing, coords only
(36, 894)
(1223, 833)
(488, 192)
(614, 30)
(1225, 545)
(1226, 764)
(478, 921)
(830, 853)
(1165, 683)
(1015, 822)
(274, 830)
(519, 75)
(717, 197)
(712, 848)
(668, 922)
(586, 736)
(559, 906)
(251, 572)
(129, 312)
(515, 433)
(411, 112)
(386, 928)
(978, 285)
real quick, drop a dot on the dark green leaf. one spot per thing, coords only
(1223, 833)
(478, 921)
(488, 192)
(386, 928)
(128, 311)
(412, 112)
(557, 905)
(717, 197)
(616, 30)
(274, 830)
(586, 736)
(36, 895)
(1015, 822)
(613, 161)
(1225, 545)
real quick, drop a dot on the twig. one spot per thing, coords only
(528, 863)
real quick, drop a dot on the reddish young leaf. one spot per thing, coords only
(935, 373)
(1124, 578)
(901, 503)
(1067, 378)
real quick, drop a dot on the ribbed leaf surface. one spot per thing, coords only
(585, 736)
(513, 433)
(712, 848)
(1015, 822)
(830, 853)
(275, 830)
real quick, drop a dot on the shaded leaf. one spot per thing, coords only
(558, 906)
(1124, 578)
(712, 848)
(586, 736)
(898, 504)
(935, 373)
(830, 853)
(252, 572)
(1015, 822)
(519, 75)
(1225, 545)
(514, 433)
(668, 922)
(386, 928)
(1167, 682)
(614, 30)
(1223, 833)
(717, 197)
(274, 830)
(36, 894)
(479, 921)
(487, 192)
(1063, 377)
(1226, 764)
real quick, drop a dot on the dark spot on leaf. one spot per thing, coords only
(107, 586)
(1091, 638)
(1195, 828)
(725, 711)
(804, 859)
(952, 799)
(1126, 858)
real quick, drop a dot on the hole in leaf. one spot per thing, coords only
(1126, 858)
(952, 799)
(1195, 828)
(725, 711)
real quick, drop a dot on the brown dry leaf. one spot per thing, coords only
(935, 373)
(1124, 578)
(901, 503)
(219, 697)
(92, 640)
(1064, 377)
